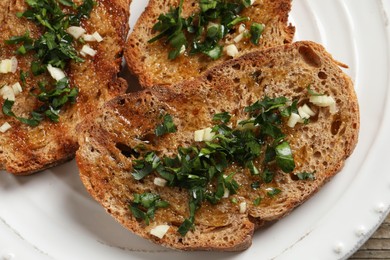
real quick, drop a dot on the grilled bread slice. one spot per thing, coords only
(25, 149)
(150, 62)
(111, 145)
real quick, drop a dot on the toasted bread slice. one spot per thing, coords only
(25, 149)
(149, 61)
(109, 141)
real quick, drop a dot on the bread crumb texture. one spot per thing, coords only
(25, 149)
(150, 61)
(107, 142)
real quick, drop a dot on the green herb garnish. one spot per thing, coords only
(194, 168)
(20, 39)
(272, 192)
(167, 126)
(33, 121)
(255, 185)
(54, 47)
(23, 75)
(306, 175)
(202, 32)
(312, 92)
(144, 206)
(257, 201)
(224, 117)
(206, 5)
(146, 166)
(284, 157)
(256, 31)
(267, 176)
(247, 3)
(170, 26)
(52, 102)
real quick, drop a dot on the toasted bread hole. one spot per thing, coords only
(126, 150)
(257, 73)
(257, 77)
(314, 118)
(201, 69)
(309, 56)
(236, 66)
(121, 102)
(298, 90)
(294, 177)
(335, 126)
(322, 75)
(119, 55)
(236, 80)
(92, 150)
(325, 163)
(303, 101)
(209, 77)
(342, 131)
(317, 154)
(138, 102)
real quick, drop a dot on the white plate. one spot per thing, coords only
(50, 215)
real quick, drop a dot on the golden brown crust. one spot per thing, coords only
(129, 120)
(150, 61)
(24, 149)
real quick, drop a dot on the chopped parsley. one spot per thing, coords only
(255, 185)
(54, 47)
(306, 175)
(257, 201)
(35, 119)
(267, 176)
(52, 102)
(284, 157)
(200, 169)
(146, 166)
(224, 117)
(203, 31)
(256, 31)
(23, 76)
(144, 206)
(272, 192)
(312, 92)
(167, 126)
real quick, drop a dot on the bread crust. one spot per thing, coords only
(150, 63)
(24, 149)
(322, 145)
